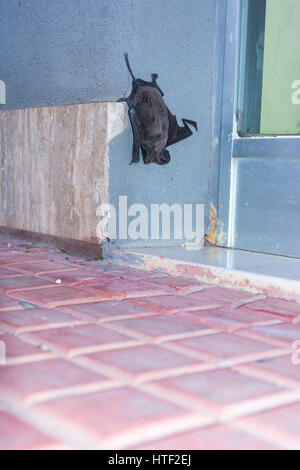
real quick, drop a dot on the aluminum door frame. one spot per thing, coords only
(247, 217)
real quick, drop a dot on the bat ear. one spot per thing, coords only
(154, 77)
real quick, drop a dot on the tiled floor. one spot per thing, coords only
(100, 356)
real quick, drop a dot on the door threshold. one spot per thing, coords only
(271, 275)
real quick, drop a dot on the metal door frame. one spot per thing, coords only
(232, 146)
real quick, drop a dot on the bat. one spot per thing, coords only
(154, 127)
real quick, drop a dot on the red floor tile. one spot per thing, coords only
(282, 335)
(17, 435)
(123, 289)
(281, 425)
(81, 339)
(228, 319)
(40, 381)
(131, 274)
(218, 437)
(145, 362)
(40, 268)
(281, 370)
(4, 272)
(175, 303)
(11, 284)
(116, 419)
(22, 321)
(222, 294)
(224, 392)
(18, 351)
(107, 310)
(277, 306)
(189, 359)
(159, 328)
(177, 285)
(55, 296)
(79, 276)
(226, 348)
(13, 259)
(8, 303)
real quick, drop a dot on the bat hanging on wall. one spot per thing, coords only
(154, 127)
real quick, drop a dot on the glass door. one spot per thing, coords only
(259, 196)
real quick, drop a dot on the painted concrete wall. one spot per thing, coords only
(71, 51)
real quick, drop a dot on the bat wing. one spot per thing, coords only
(176, 132)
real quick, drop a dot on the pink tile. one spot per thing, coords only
(222, 294)
(45, 380)
(281, 370)
(131, 274)
(175, 303)
(224, 392)
(18, 351)
(21, 321)
(9, 260)
(282, 425)
(17, 435)
(228, 319)
(123, 289)
(55, 296)
(11, 284)
(79, 276)
(43, 267)
(177, 285)
(217, 437)
(127, 416)
(81, 339)
(227, 347)
(4, 272)
(160, 328)
(283, 334)
(145, 362)
(8, 303)
(107, 310)
(277, 306)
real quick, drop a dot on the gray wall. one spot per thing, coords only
(71, 51)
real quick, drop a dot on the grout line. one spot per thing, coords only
(242, 303)
(159, 339)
